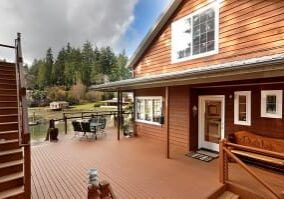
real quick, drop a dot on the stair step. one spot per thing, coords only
(9, 135)
(9, 126)
(229, 195)
(11, 155)
(7, 80)
(8, 91)
(8, 118)
(8, 110)
(11, 167)
(8, 97)
(6, 145)
(11, 181)
(16, 193)
(8, 103)
(10, 177)
(8, 86)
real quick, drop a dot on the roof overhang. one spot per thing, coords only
(153, 32)
(261, 67)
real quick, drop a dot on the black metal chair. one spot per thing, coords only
(101, 128)
(87, 128)
(77, 128)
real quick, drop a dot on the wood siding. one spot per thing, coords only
(247, 29)
(269, 127)
(178, 120)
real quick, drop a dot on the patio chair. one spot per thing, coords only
(101, 128)
(77, 128)
(87, 129)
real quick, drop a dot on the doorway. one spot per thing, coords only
(211, 121)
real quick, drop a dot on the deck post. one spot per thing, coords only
(119, 111)
(65, 123)
(167, 124)
(223, 161)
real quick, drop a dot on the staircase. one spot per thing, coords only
(14, 141)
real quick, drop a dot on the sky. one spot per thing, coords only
(121, 24)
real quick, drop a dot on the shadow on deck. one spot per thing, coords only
(135, 168)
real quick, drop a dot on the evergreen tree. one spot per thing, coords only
(88, 62)
(49, 78)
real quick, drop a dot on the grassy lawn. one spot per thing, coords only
(83, 107)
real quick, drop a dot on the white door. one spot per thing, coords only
(211, 121)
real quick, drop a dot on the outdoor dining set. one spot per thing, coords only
(93, 126)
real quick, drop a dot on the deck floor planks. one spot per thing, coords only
(136, 168)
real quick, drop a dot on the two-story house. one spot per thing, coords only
(208, 69)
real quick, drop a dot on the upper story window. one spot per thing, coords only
(149, 109)
(242, 108)
(271, 103)
(196, 35)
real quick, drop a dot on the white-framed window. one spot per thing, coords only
(196, 35)
(271, 103)
(149, 109)
(242, 108)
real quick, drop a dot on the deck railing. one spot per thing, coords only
(24, 134)
(226, 153)
(87, 114)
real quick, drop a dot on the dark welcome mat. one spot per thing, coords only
(199, 156)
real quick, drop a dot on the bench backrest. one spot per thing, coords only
(250, 139)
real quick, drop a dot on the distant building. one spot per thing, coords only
(58, 105)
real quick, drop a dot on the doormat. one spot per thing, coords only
(199, 156)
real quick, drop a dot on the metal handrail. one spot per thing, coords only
(225, 150)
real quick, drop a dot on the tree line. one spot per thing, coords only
(68, 76)
(87, 65)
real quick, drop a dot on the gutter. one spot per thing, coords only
(230, 66)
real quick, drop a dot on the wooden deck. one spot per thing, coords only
(135, 168)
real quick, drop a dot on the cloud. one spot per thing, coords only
(53, 23)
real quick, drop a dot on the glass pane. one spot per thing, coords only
(140, 109)
(210, 14)
(148, 110)
(202, 17)
(210, 26)
(210, 45)
(157, 110)
(212, 121)
(203, 38)
(195, 20)
(195, 49)
(242, 108)
(196, 31)
(210, 36)
(202, 28)
(203, 48)
(196, 41)
(271, 104)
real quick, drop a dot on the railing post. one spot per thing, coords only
(82, 115)
(223, 161)
(65, 123)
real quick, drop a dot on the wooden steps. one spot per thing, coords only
(12, 181)
(11, 155)
(16, 193)
(9, 135)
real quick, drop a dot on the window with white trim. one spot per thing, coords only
(149, 109)
(271, 103)
(196, 35)
(242, 108)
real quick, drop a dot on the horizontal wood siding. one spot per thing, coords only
(270, 127)
(179, 118)
(149, 130)
(247, 29)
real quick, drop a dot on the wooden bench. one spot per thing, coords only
(249, 139)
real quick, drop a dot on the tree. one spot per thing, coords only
(87, 63)
(59, 67)
(49, 65)
(78, 91)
